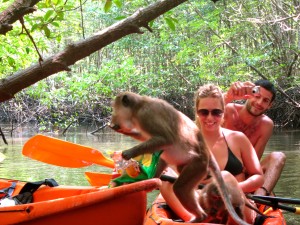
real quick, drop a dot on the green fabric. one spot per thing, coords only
(148, 168)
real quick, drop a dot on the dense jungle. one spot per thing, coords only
(167, 55)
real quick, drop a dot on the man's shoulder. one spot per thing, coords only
(266, 121)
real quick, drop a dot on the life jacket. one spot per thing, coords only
(25, 195)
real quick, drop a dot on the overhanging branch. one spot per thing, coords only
(14, 12)
(77, 51)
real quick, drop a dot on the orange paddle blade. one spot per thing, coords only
(98, 179)
(63, 153)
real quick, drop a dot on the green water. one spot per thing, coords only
(17, 166)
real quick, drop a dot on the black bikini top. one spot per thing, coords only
(234, 165)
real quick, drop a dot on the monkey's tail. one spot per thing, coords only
(223, 191)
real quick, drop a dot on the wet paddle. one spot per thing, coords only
(98, 179)
(63, 153)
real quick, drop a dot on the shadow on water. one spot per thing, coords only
(17, 166)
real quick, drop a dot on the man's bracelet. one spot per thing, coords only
(267, 192)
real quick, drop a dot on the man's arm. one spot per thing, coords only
(272, 167)
(273, 163)
(266, 131)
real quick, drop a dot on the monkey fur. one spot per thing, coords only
(211, 201)
(213, 205)
(160, 127)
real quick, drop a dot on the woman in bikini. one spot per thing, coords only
(232, 149)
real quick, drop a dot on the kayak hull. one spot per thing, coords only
(160, 214)
(79, 205)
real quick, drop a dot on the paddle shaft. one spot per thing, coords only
(278, 199)
(295, 210)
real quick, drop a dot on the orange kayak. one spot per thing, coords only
(160, 213)
(79, 205)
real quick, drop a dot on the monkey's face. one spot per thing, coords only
(121, 120)
(122, 116)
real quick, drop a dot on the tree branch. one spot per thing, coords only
(14, 12)
(77, 51)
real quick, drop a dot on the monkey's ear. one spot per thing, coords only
(126, 101)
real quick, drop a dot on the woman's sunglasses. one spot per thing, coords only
(214, 112)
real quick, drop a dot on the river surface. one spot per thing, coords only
(20, 167)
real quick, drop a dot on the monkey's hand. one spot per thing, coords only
(127, 154)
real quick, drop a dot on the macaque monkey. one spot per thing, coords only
(160, 127)
(211, 201)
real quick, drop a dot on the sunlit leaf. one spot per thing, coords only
(48, 3)
(118, 3)
(54, 2)
(42, 5)
(48, 14)
(47, 31)
(170, 23)
(151, 23)
(107, 5)
(11, 61)
(34, 27)
(120, 17)
(56, 24)
(60, 16)
(175, 20)
(58, 38)
(60, 2)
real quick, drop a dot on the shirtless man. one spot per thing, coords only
(249, 118)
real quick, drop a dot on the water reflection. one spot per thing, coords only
(289, 183)
(17, 166)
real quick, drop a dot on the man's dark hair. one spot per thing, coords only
(268, 86)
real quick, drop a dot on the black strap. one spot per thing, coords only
(33, 186)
